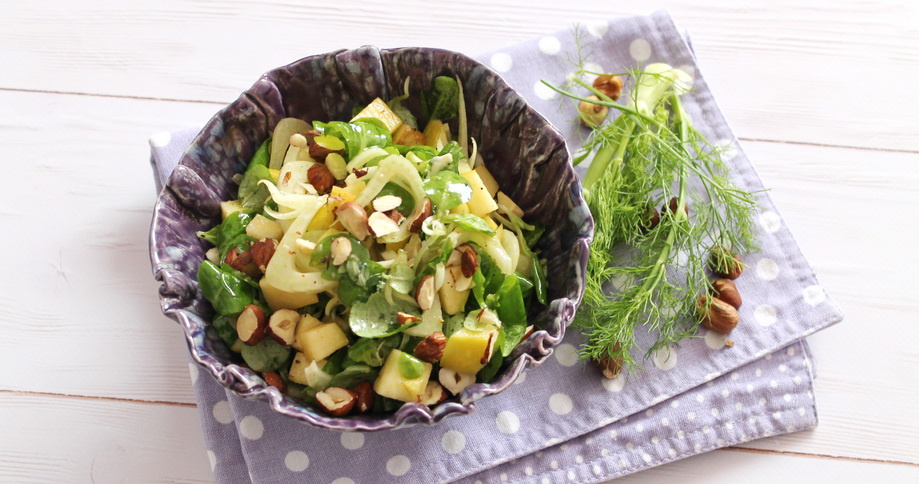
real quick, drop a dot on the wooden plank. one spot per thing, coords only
(60, 439)
(79, 304)
(820, 73)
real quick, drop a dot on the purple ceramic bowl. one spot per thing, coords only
(525, 153)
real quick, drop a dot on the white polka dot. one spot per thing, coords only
(646, 458)
(554, 464)
(783, 368)
(193, 372)
(615, 384)
(398, 465)
(212, 458)
(589, 440)
(639, 428)
(343, 480)
(658, 399)
(665, 421)
(691, 416)
(720, 441)
(680, 434)
(251, 427)
(786, 397)
(797, 379)
(596, 470)
(597, 28)
(813, 295)
(769, 357)
(352, 440)
(697, 447)
(571, 475)
(579, 459)
(767, 269)
(528, 471)
(675, 404)
(715, 340)
(560, 404)
(566, 354)
(777, 415)
(700, 398)
(296, 461)
(735, 376)
(640, 50)
(758, 372)
(501, 62)
(520, 378)
(549, 45)
(749, 388)
(729, 425)
(665, 358)
(765, 315)
(770, 222)
(160, 140)
(725, 393)
(801, 411)
(706, 429)
(544, 92)
(545, 480)
(613, 434)
(222, 412)
(629, 446)
(655, 439)
(604, 452)
(671, 452)
(649, 412)
(714, 412)
(709, 377)
(453, 442)
(738, 406)
(774, 384)
(507, 422)
(762, 400)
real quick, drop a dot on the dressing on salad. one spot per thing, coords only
(369, 263)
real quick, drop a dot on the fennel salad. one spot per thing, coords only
(369, 263)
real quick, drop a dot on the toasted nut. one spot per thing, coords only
(592, 115)
(726, 263)
(456, 257)
(408, 136)
(282, 326)
(425, 293)
(274, 379)
(610, 85)
(673, 205)
(427, 209)
(320, 178)
(386, 203)
(395, 216)
(353, 217)
(322, 146)
(717, 315)
(340, 250)
(242, 262)
(297, 140)
(459, 280)
(433, 394)
(262, 252)
(336, 401)
(359, 172)
(455, 382)
(213, 255)
(251, 325)
(365, 397)
(488, 348)
(653, 218)
(609, 367)
(431, 348)
(380, 224)
(470, 260)
(406, 318)
(726, 290)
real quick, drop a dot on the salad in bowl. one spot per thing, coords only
(369, 263)
(372, 238)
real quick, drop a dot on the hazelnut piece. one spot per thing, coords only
(725, 263)
(717, 315)
(427, 209)
(591, 114)
(353, 217)
(726, 290)
(252, 325)
(274, 379)
(262, 252)
(282, 326)
(340, 249)
(320, 178)
(433, 394)
(469, 262)
(425, 293)
(380, 224)
(431, 348)
(609, 84)
(365, 397)
(453, 381)
(336, 401)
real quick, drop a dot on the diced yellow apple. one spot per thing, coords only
(481, 202)
(343, 193)
(487, 179)
(378, 110)
(278, 299)
(391, 384)
(308, 372)
(436, 134)
(323, 219)
(461, 208)
(466, 348)
(319, 342)
(506, 201)
(261, 227)
(305, 323)
(229, 207)
(452, 300)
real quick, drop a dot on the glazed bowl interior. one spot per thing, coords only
(524, 152)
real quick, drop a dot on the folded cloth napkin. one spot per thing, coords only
(562, 421)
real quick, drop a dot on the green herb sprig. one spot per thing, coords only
(651, 153)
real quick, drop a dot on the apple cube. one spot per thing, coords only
(466, 348)
(391, 384)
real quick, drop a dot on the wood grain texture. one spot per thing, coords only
(814, 79)
(70, 440)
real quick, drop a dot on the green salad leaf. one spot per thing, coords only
(469, 221)
(447, 190)
(372, 352)
(442, 100)
(358, 135)
(227, 291)
(377, 318)
(512, 313)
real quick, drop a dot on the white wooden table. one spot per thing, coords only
(94, 385)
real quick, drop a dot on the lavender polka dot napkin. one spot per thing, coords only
(563, 422)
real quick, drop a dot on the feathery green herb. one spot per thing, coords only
(642, 272)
